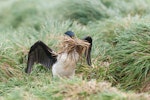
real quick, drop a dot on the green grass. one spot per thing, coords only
(120, 54)
(131, 56)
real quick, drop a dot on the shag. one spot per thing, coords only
(63, 64)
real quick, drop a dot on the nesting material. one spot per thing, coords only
(69, 45)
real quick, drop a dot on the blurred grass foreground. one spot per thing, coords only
(120, 55)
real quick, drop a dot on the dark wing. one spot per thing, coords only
(88, 55)
(40, 53)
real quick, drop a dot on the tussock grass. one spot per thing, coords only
(120, 53)
(131, 56)
(26, 13)
(62, 89)
(90, 11)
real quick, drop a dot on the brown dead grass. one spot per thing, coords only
(85, 89)
(8, 71)
(146, 86)
(70, 44)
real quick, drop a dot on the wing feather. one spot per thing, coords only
(88, 52)
(40, 53)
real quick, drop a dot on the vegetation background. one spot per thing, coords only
(120, 55)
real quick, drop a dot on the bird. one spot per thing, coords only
(63, 64)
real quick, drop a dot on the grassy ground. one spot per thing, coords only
(120, 54)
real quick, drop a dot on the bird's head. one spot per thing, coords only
(70, 34)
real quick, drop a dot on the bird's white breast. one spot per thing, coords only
(65, 65)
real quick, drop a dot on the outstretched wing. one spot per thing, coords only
(40, 53)
(88, 52)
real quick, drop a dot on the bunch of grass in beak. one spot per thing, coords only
(70, 45)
